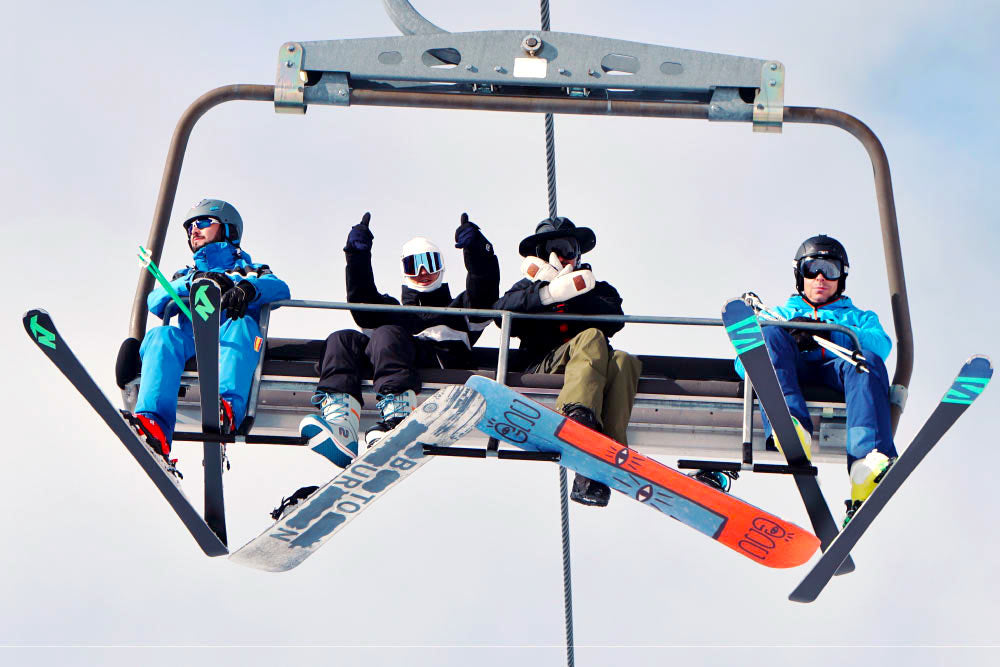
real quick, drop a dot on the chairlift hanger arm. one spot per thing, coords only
(541, 64)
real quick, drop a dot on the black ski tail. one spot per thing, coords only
(206, 307)
(748, 339)
(971, 382)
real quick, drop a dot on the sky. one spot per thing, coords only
(462, 563)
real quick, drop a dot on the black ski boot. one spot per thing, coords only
(586, 491)
(291, 501)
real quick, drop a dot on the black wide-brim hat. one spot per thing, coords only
(556, 228)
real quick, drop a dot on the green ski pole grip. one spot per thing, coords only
(151, 266)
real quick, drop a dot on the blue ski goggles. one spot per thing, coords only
(811, 267)
(200, 223)
(429, 261)
(566, 247)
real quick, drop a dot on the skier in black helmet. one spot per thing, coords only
(820, 270)
(600, 382)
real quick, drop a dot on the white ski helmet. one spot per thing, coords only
(421, 253)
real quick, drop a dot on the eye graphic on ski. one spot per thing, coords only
(621, 457)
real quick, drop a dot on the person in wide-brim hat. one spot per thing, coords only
(553, 228)
(599, 382)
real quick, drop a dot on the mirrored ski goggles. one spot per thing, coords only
(201, 223)
(429, 261)
(813, 266)
(566, 247)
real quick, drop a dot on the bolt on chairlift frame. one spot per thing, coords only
(538, 72)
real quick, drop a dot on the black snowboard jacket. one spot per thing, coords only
(452, 335)
(539, 337)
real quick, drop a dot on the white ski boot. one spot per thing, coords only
(394, 408)
(334, 432)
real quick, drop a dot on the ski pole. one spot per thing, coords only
(851, 356)
(147, 261)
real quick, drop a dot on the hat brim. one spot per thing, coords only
(584, 235)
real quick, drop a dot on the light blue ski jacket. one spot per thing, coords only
(226, 258)
(841, 311)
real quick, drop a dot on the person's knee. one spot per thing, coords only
(627, 363)
(776, 335)
(388, 333)
(161, 337)
(592, 338)
(344, 337)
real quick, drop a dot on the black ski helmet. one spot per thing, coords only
(224, 212)
(826, 247)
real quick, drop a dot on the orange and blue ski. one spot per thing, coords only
(971, 382)
(748, 530)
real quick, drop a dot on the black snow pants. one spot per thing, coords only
(391, 357)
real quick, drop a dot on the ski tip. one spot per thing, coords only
(979, 365)
(34, 311)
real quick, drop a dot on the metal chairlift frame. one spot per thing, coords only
(538, 72)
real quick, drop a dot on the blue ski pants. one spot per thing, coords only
(869, 426)
(166, 349)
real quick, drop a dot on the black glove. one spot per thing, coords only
(804, 337)
(224, 282)
(360, 237)
(236, 300)
(468, 236)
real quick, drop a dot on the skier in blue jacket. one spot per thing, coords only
(821, 268)
(214, 229)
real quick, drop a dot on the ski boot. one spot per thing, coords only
(718, 479)
(152, 435)
(865, 475)
(586, 491)
(393, 408)
(804, 438)
(286, 504)
(226, 419)
(333, 433)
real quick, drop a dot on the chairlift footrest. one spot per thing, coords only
(196, 436)
(474, 453)
(724, 466)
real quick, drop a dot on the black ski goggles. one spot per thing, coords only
(429, 261)
(200, 223)
(811, 267)
(566, 247)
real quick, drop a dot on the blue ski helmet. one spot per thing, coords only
(224, 212)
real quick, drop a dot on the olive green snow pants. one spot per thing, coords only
(596, 377)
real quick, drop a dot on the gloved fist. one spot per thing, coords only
(568, 286)
(535, 269)
(236, 300)
(224, 282)
(804, 337)
(360, 237)
(557, 264)
(468, 235)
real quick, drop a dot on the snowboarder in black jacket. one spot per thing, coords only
(600, 383)
(395, 344)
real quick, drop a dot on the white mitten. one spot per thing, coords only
(567, 286)
(535, 269)
(558, 266)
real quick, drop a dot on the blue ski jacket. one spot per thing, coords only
(842, 311)
(224, 257)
